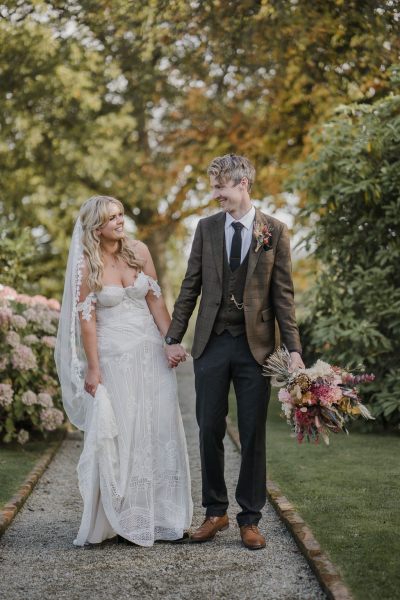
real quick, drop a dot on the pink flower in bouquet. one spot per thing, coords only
(51, 418)
(284, 395)
(286, 401)
(303, 417)
(3, 362)
(5, 315)
(23, 358)
(304, 423)
(325, 394)
(13, 339)
(6, 394)
(49, 341)
(29, 398)
(45, 400)
(18, 321)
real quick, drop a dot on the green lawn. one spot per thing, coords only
(17, 461)
(349, 494)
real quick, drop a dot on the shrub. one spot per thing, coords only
(30, 397)
(351, 188)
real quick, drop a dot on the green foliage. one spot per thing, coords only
(351, 187)
(29, 393)
(17, 254)
(134, 99)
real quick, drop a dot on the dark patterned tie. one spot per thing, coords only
(236, 247)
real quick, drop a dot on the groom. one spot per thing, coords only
(240, 264)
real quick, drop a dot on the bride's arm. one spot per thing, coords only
(87, 318)
(156, 304)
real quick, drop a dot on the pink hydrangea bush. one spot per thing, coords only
(30, 398)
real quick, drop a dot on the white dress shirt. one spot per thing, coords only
(247, 232)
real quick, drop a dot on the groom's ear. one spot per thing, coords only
(244, 182)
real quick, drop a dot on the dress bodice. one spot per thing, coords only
(111, 296)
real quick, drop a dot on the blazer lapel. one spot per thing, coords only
(217, 237)
(253, 255)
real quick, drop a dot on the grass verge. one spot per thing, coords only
(348, 493)
(17, 461)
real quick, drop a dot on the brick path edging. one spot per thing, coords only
(13, 506)
(325, 571)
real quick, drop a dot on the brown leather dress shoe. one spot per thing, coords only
(209, 527)
(251, 537)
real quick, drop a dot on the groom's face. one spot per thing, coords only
(227, 193)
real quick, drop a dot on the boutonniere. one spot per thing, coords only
(263, 235)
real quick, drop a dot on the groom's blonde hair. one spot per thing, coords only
(232, 167)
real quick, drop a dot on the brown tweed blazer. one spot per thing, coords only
(268, 293)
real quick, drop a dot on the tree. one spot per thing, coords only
(350, 185)
(135, 99)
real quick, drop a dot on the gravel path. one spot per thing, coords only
(39, 562)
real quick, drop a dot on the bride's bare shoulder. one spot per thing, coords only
(139, 248)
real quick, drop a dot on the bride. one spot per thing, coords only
(117, 386)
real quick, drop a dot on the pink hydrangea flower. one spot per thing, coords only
(22, 437)
(23, 358)
(49, 341)
(45, 400)
(31, 339)
(5, 315)
(18, 321)
(51, 418)
(7, 292)
(40, 317)
(6, 394)
(29, 398)
(24, 299)
(53, 304)
(13, 339)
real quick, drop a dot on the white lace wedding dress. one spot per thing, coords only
(133, 472)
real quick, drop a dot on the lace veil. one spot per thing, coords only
(69, 353)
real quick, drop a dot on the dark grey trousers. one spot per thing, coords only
(228, 359)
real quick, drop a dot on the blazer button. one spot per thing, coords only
(218, 302)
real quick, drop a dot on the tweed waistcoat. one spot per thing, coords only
(229, 317)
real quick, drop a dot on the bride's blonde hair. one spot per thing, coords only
(94, 214)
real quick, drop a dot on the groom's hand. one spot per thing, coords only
(296, 362)
(175, 354)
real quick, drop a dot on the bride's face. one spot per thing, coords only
(113, 230)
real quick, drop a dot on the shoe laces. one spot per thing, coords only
(252, 527)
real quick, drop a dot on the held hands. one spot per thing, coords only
(175, 354)
(92, 380)
(296, 362)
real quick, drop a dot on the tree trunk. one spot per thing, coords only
(157, 244)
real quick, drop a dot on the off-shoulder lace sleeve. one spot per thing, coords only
(87, 306)
(154, 287)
